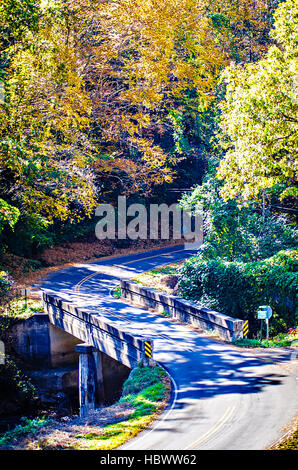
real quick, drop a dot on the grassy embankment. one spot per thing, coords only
(145, 395)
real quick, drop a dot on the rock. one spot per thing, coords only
(169, 280)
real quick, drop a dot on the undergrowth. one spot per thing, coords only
(145, 395)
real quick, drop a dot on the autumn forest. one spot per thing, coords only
(146, 99)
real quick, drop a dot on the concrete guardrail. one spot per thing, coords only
(98, 331)
(227, 327)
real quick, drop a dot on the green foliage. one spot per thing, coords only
(282, 340)
(286, 258)
(142, 377)
(238, 288)
(8, 215)
(27, 426)
(143, 390)
(260, 116)
(5, 284)
(236, 232)
(117, 293)
(181, 142)
(15, 386)
(145, 401)
(32, 234)
(17, 18)
(20, 308)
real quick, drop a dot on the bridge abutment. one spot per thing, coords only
(53, 364)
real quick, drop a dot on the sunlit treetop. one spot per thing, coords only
(259, 120)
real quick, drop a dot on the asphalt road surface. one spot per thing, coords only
(224, 398)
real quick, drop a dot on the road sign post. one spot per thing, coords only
(267, 328)
(264, 313)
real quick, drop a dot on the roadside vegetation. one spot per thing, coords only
(168, 279)
(163, 278)
(290, 443)
(145, 395)
(282, 340)
(290, 440)
(17, 393)
(237, 288)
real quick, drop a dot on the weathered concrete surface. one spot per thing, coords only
(188, 312)
(114, 374)
(35, 339)
(87, 378)
(54, 363)
(55, 380)
(97, 331)
(30, 339)
(62, 347)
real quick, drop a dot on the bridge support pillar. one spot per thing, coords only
(90, 378)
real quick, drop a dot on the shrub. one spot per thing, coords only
(27, 426)
(234, 231)
(142, 377)
(16, 390)
(238, 288)
(5, 283)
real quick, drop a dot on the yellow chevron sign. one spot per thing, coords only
(148, 349)
(245, 328)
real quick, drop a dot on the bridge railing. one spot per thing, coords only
(98, 331)
(227, 327)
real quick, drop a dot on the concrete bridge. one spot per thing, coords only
(98, 335)
(102, 333)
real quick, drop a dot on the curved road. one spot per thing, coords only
(224, 398)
